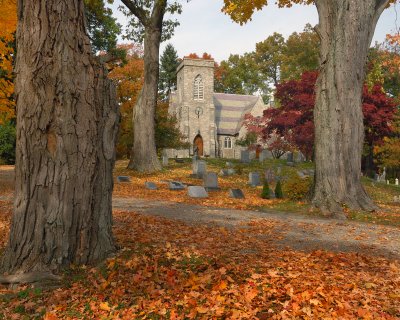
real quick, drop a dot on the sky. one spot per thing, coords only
(204, 28)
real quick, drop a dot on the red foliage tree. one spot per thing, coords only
(293, 121)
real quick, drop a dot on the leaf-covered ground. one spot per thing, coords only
(166, 269)
(170, 270)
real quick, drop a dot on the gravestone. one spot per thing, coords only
(164, 159)
(252, 155)
(176, 185)
(299, 157)
(236, 193)
(229, 164)
(122, 179)
(197, 192)
(254, 179)
(301, 174)
(224, 172)
(210, 181)
(396, 182)
(245, 156)
(150, 185)
(264, 155)
(279, 171)
(199, 169)
(231, 171)
(396, 199)
(290, 157)
(269, 175)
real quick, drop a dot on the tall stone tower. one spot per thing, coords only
(194, 105)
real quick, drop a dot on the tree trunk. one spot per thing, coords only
(144, 154)
(67, 119)
(346, 29)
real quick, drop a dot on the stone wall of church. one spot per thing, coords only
(197, 117)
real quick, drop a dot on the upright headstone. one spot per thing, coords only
(254, 179)
(290, 157)
(199, 168)
(245, 156)
(236, 193)
(164, 158)
(396, 182)
(197, 192)
(252, 155)
(269, 175)
(264, 155)
(150, 185)
(210, 181)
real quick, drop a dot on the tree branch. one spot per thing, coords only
(157, 15)
(137, 11)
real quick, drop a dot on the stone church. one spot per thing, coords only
(212, 122)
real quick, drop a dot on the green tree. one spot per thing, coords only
(169, 61)
(269, 56)
(301, 54)
(240, 75)
(7, 142)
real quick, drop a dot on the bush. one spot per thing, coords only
(297, 188)
(266, 192)
(7, 143)
(278, 190)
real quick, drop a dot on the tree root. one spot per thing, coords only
(29, 277)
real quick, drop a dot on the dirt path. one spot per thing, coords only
(293, 231)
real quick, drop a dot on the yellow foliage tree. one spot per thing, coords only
(129, 81)
(8, 23)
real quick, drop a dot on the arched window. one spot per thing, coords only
(228, 143)
(198, 89)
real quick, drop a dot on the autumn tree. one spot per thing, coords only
(168, 64)
(8, 22)
(148, 24)
(67, 121)
(345, 28)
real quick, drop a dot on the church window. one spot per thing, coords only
(198, 92)
(228, 143)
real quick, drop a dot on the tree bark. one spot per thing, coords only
(144, 154)
(346, 29)
(67, 121)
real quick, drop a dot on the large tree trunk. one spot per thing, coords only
(67, 120)
(144, 154)
(346, 29)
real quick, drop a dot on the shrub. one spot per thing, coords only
(278, 190)
(297, 188)
(7, 143)
(266, 192)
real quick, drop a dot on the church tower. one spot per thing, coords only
(194, 105)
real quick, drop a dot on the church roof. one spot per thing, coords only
(230, 110)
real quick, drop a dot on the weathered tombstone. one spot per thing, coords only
(299, 157)
(210, 181)
(269, 175)
(236, 193)
(301, 174)
(224, 172)
(231, 171)
(290, 157)
(199, 169)
(252, 155)
(376, 177)
(122, 179)
(396, 182)
(176, 185)
(396, 199)
(387, 182)
(254, 179)
(245, 156)
(197, 192)
(150, 185)
(164, 158)
(229, 164)
(264, 155)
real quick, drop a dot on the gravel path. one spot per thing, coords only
(293, 231)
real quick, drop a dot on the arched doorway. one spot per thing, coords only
(198, 145)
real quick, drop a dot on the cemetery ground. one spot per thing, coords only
(223, 258)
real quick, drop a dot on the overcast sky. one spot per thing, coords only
(204, 28)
